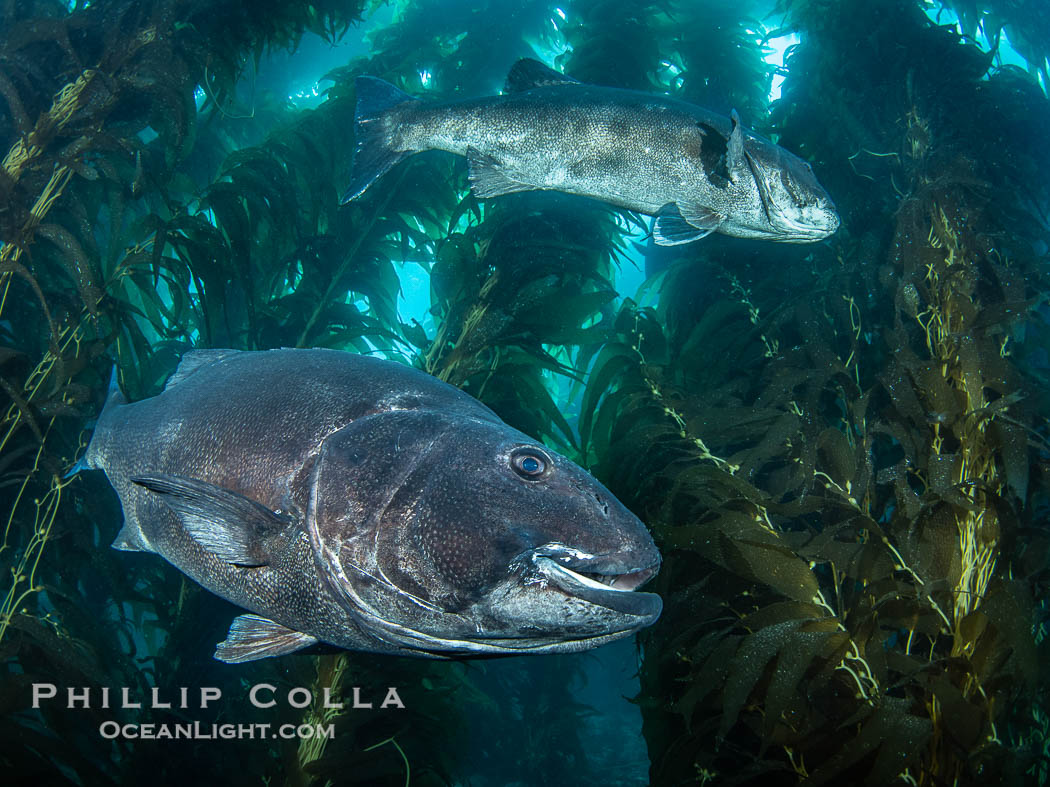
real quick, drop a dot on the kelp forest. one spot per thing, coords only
(841, 449)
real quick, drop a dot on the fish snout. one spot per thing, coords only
(827, 218)
(809, 224)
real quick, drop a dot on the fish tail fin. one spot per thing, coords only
(114, 398)
(373, 154)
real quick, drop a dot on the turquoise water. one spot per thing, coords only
(839, 447)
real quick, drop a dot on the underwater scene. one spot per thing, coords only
(525, 392)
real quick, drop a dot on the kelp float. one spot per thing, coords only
(841, 449)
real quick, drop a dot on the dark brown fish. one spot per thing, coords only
(362, 503)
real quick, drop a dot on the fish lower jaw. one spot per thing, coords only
(576, 581)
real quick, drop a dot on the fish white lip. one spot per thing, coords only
(602, 572)
(617, 592)
(619, 583)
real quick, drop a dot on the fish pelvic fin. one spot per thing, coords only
(373, 155)
(129, 539)
(80, 464)
(252, 637)
(230, 526)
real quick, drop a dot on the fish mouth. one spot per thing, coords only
(609, 581)
(801, 237)
(788, 231)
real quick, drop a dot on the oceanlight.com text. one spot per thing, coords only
(230, 732)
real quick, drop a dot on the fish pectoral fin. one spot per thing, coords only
(488, 178)
(527, 74)
(700, 217)
(671, 228)
(227, 524)
(252, 637)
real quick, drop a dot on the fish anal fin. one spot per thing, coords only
(229, 525)
(489, 179)
(528, 73)
(129, 539)
(670, 228)
(252, 637)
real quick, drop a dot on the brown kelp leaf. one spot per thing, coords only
(970, 363)
(711, 674)
(76, 262)
(836, 456)
(930, 548)
(780, 612)
(15, 105)
(773, 565)
(749, 664)
(1013, 442)
(614, 361)
(896, 734)
(940, 400)
(738, 542)
(898, 384)
(907, 498)
(963, 719)
(454, 273)
(794, 659)
(1008, 638)
(945, 472)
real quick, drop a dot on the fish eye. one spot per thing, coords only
(529, 463)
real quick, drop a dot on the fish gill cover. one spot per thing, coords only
(841, 449)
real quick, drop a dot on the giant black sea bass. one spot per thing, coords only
(362, 503)
(695, 171)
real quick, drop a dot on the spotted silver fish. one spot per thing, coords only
(695, 171)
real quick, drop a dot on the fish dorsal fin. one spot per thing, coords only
(527, 74)
(230, 526)
(252, 637)
(194, 360)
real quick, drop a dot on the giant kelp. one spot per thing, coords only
(851, 525)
